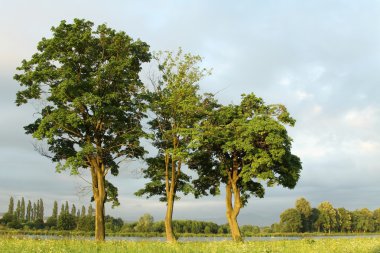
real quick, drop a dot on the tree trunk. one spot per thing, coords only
(170, 237)
(100, 232)
(170, 184)
(99, 197)
(233, 211)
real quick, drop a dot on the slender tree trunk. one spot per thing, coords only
(233, 211)
(170, 195)
(98, 188)
(99, 221)
(170, 236)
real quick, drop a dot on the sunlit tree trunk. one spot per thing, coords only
(232, 192)
(98, 187)
(170, 237)
(170, 184)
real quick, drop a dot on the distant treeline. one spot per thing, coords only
(326, 218)
(302, 218)
(32, 216)
(74, 219)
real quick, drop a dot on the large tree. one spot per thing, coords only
(176, 107)
(291, 220)
(243, 146)
(91, 105)
(304, 208)
(344, 220)
(327, 217)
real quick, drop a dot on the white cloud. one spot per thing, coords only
(362, 118)
(360, 147)
(303, 95)
(310, 146)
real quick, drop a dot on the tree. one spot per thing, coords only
(34, 212)
(73, 210)
(11, 206)
(18, 211)
(304, 208)
(52, 221)
(88, 82)
(314, 219)
(145, 223)
(250, 230)
(243, 146)
(22, 210)
(55, 210)
(291, 220)
(90, 211)
(363, 220)
(376, 219)
(177, 107)
(66, 207)
(62, 209)
(29, 211)
(66, 221)
(344, 220)
(113, 224)
(37, 211)
(327, 216)
(83, 212)
(41, 210)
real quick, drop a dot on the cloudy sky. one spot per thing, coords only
(320, 58)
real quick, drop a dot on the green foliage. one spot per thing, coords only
(291, 220)
(250, 139)
(66, 221)
(51, 222)
(87, 81)
(177, 107)
(145, 223)
(363, 220)
(249, 230)
(86, 223)
(7, 218)
(113, 224)
(327, 216)
(376, 219)
(304, 208)
(11, 206)
(344, 220)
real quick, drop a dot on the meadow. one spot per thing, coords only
(354, 245)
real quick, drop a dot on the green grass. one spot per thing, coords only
(356, 245)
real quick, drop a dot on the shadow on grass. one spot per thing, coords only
(376, 250)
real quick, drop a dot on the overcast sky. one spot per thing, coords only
(319, 58)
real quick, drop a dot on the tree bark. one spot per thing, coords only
(232, 191)
(233, 211)
(99, 221)
(98, 187)
(170, 236)
(173, 169)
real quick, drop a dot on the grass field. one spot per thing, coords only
(356, 245)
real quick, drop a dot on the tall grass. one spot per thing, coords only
(355, 245)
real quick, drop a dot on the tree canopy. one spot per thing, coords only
(243, 146)
(87, 82)
(177, 107)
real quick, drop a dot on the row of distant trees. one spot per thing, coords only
(146, 224)
(72, 218)
(326, 218)
(32, 216)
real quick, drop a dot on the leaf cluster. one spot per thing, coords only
(254, 135)
(87, 81)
